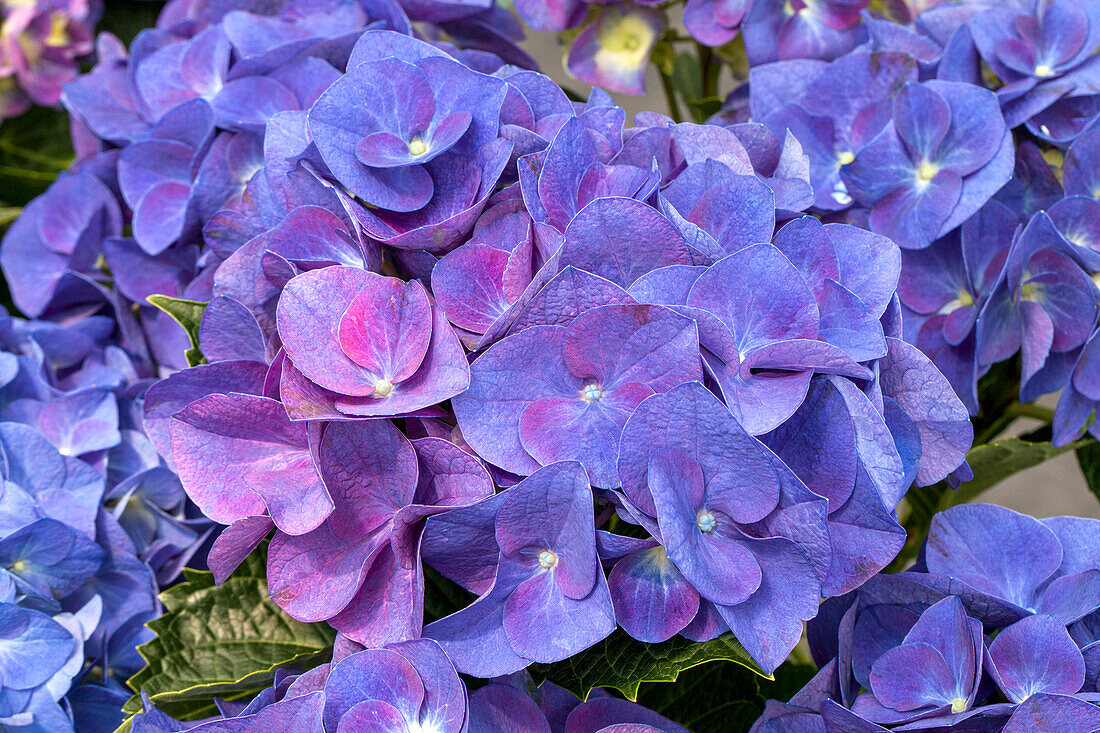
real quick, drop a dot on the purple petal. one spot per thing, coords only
(653, 601)
(1036, 655)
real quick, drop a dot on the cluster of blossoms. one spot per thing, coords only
(668, 377)
(999, 245)
(92, 523)
(41, 45)
(995, 628)
(412, 686)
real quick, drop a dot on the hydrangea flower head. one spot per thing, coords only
(945, 152)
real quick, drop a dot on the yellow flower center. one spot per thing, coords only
(417, 147)
(383, 388)
(927, 171)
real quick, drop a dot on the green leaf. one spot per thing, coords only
(722, 698)
(34, 149)
(187, 313)
(222, 641)
(1088, 457)
(623, 663)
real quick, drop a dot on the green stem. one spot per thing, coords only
(670, 95)
(1027, 409)
(711, 69)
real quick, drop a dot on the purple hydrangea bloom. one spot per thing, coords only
(438, 110)
(360, 569)
(1080, 398)
(943, 153)
(43, 44)
(730, 544)
(796, 30)
(935, 669)
(530, 554)
(1041, 51)
(1044, 305)
(58, 234)
(613, 51)
(558, 392)
(360, 344)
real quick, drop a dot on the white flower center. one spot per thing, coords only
(591, 393)
(382, 388)
(417, 147)
(548, 559)
(705, 521)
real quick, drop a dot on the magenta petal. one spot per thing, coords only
(235, 543)
(228, 448)
(653, 601)
(387, 327)
(315, 576)
(310, 311)
(389, 606)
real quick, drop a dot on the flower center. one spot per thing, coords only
(417, 147)
(927, 171)
(18, 566)
(591, 393)
(958, 705)
(548, 559)
(705, 521)
(1043, 70)
(382, 388)
(844, 157)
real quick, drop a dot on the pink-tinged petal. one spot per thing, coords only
(315, 576)
(241, 453)
(545, 625)
(170, 395)
(382, 675)
(615, 344)
(927, 397)
(310, 311)
(512, 374)
(613, 52)
(443, 374)
(568, 294)
(387, 328)
(569, 428)
(653, 601)
(621, 239)
(371, 469)
(373, 715)
(235, 543)
(389, 606)
(1036, 655)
